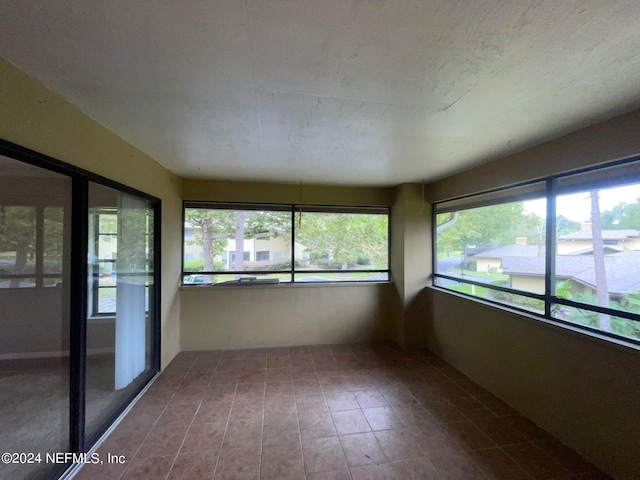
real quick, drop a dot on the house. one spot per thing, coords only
(379, 104)
(623, 276)
(613, 240)
(491, 260)
(262, 248)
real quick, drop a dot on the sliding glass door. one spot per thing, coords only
(119, 298)
(35, 249)
(78, 308)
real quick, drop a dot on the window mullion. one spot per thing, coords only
(550, 246)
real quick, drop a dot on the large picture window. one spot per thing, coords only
(249, 243)
(566, 248)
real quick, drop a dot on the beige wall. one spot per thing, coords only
(261, 316)
(410, 264)
(581, 389)
(36, 118)
(255, 316)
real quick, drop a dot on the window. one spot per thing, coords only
(284, 243)
(567, 248)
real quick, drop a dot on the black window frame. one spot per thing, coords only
(295, 210)
(551, 192)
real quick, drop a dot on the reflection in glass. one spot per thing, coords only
(34, 345)
(119, 333)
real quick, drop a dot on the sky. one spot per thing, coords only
(577, 206)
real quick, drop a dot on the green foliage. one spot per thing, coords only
(481, 225)
(344, 238)
(622, 216)
(363, 261)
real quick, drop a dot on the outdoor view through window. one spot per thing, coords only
(496, 249)
(256, 243)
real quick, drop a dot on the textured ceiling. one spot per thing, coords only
(360, 92)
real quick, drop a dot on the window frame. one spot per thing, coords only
(550, 299)
(294, 210)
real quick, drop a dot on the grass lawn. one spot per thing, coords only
(470, 289)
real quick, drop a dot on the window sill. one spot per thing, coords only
(222, 286)
(538, 319)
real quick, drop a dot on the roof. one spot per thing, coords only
(510, 251)
(606, 235)
(623, 269)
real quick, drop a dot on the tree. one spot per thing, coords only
(344, 238)
(215, 226)
(622, 216)
(480, 226)
(602, 289)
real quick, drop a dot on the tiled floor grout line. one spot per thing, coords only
(215, 470)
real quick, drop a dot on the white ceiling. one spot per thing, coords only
(358, 92)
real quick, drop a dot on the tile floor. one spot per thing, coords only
(327, 412)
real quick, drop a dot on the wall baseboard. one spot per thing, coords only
(51, 354)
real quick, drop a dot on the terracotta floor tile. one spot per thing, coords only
(232, 354)
(380, 471)
(194, 466)
(149, 468)
(242, 433)
(229, 365)
(311, 404)
(306, 386)
(382, 418)
(246, 410)
(398, 396)
(141, 418)
(177, 416)
(342, 474)
(188, 395)
(314, 425)
(419, 468)
(250, 391)
(220, 393)
(362, 449)
(499, 431)
(322, 454)
(303, 412)
(341, 401)
(278, 375)
(278, 362)
(534, 461)
(401, 443)
(468, 435)
(239, 463)
(196, 379)
(350, 421)
(282, 460)
(213, 412)
(497, 464)
(161, 441)
(370, 399)
(443, 410)
(204, 437)
(252, 376)
(573, 462)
